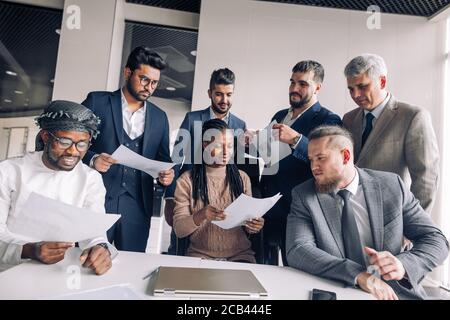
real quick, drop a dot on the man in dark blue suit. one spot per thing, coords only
(128, 118)
(293, 126)
(189, 140)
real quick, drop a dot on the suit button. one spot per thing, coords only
(127, 144)
(137, 144)
(134, 170)
(124, 184)
(125, 170)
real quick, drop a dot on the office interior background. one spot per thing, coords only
(63, 49)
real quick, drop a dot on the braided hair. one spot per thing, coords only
(199, 180)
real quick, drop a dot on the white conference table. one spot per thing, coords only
(33, 280)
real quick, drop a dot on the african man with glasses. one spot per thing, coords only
(129, 118)
(54, 171)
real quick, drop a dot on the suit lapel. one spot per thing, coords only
(116, 110)
(281, 116)
(147, 128)
(389, 113)
(232, 122)
(356, 130)
(333, 218)
(205, 115)
(374, 202)
(304, 122)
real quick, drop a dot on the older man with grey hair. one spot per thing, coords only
(391, 135)
(347, 219)
(54, 171)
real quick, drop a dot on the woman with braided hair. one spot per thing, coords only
(204, 192)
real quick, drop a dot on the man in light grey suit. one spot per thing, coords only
(348, 218)
(391, 135)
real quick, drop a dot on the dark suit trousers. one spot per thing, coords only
(130, 232)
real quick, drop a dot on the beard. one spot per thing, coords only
(327, 186)
(136, 94)
(218, 109)
(298, 104)
(55, 161)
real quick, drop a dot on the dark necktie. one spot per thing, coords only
(369, 118)
(350, 234)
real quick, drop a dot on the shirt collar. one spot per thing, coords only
(378, 109)
(291, 111)
(212, 115)
(125, 104)
(353, 186)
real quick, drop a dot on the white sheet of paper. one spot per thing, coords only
(270, 149)
(131, 159)
(115, 292)
(245, 208)
(45, 219)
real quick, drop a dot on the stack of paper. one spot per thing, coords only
(245, 208)
(45, 219)
(131, 159)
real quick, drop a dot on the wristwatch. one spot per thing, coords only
(296, 139)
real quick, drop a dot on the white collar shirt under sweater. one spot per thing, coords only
(82, 187)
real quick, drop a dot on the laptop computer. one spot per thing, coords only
(180, 281)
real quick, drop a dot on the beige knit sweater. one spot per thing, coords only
(208, 240)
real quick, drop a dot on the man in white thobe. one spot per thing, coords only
(55, 172)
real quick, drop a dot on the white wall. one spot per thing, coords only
(89, 57)
(175, 110)
(263, 41)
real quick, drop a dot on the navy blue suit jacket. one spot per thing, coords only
(186, 143)
(108, 106)
(295, 168)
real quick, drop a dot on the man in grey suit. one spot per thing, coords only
(346, 219)
(391, 135)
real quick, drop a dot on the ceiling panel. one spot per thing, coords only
(28, 53)
(425, 8)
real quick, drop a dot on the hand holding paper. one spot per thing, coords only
(246, 208)
(270, 149)
(131, 159)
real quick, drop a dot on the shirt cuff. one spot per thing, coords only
(86, 244)
(298, 141)
(91, 163)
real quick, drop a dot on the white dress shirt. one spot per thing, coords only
(133, 122)
(359, 205)
(212, 115)
(82, 187)
(289, 121)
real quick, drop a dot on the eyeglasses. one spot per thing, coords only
(146, 81)
(66, 143)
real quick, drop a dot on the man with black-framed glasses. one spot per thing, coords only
(54, 171)
(128, 118)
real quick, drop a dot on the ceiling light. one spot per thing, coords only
(194, 53)
(170, 89)
(7, 101)
(11, 73)
(18, 92)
